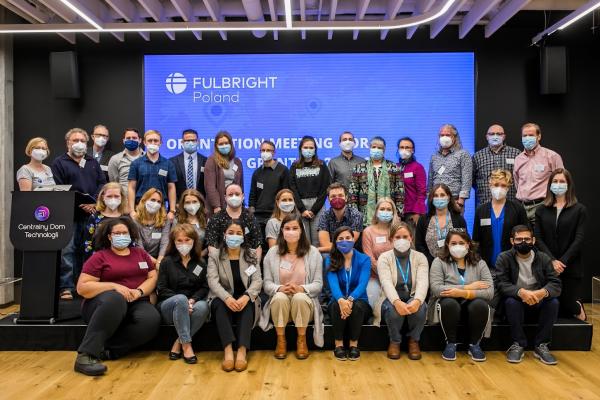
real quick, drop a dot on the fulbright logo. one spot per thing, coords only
(176, 83)
(42, 213)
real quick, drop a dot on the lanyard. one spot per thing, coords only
(404, 274)
(348, 274)
(442, 234)
(462, 278)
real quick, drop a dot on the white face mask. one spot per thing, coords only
(445, 141)
(184, 249)
(191, 208)
(39, 154)
(100, 141)
(112, 203)
(234, 201)
(152, 206)
(287, 206)
(152, 148)
(79, 148)
(498, 192)
(405, 154)
(402, 245)
(347, 145)
(458, 251)
(266, 156)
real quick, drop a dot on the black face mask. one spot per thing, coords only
(523, 248)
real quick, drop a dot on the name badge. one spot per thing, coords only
(104, 168)
(259, 185)
(143, 265)
(234, 168)
(485, 222)
(380, 239)
(201, 169)
(197, 270)
(441, 243)
(441, 170)
(156, 235)
(510, 161)
(286, 265)
(409, 174)
(246, 230)
(82, 163)
(250, 270)
(539, 167)
(162, 172)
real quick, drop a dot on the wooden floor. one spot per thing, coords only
(150, 375)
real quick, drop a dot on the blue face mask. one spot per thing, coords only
(376, 154)
(190, 147)
(131, 145)
(308, 153)
(559, 188)
(385, 216)
(120, 241)
(529, 142)
(440, 202)
(234, 241)
(224, 149)
(345, 246)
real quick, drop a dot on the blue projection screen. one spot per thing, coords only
(282, 97)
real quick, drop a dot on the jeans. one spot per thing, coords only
(547, 312)
(72, 257)
(175, 310)
(395, 321)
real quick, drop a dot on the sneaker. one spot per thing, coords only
(449, 353)
(476, 353)
(89, 365)
(353, 353)
(515, 353)
(542, 353)
(340, 353)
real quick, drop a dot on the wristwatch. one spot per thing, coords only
(350, 299)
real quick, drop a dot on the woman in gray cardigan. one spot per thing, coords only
(293, 281)
(235, 281)
(461, 288)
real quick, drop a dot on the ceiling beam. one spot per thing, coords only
(361, 10)
(504, 14)
(302, 17)
(214, 10)
(332, 12)
(439, 24)
(393, 6)
(421, 7)
(184, 8)
(274, 16)
(254, 13)
(129, 12)
(95, 11)
(60, 9)
(157, 12)
(479, 10)
(33, 15)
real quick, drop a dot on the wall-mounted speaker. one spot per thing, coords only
(64, 75)
(553, 70)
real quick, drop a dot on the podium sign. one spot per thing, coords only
(41, 225)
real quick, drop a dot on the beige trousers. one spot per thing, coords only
(298, 308)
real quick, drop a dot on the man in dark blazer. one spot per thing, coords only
(189, 177)
(98, 151)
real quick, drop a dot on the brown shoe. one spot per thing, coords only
(414, 351)
(281, 348)
(393, 351)
(228, 365)
(301, 348)
(241, 365)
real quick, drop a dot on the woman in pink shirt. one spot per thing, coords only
(375, 241)
(415, 181)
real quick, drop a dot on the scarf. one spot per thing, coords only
(376, 189)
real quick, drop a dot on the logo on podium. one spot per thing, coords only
(42, 213)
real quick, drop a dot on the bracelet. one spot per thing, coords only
(141, 291)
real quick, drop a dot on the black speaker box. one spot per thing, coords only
(553, 70)
(64, 75)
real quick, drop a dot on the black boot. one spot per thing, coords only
(89, 365)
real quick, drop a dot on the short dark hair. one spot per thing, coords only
(519, 229)
(192, 131)
(337, 185)
(336, 258)
(100, 239)
(408, 139)
(303, 243)
(346, 133)
(130, 130)
(270, 143)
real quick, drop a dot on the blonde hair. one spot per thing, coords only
(537, 128)
(183, 215)
(382, 200)
(277, 213)
(501, 175)
(101, 206)
(152, 132)
(34, 142)
(223, 161)
(144, 217)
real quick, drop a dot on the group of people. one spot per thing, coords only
(172, 241)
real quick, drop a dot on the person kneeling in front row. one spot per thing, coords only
(115, 283)
(530, 287)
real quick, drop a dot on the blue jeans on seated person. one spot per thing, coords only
(71, 257)
(395, 321)
(175, 310)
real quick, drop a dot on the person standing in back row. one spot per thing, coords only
(189, 165)
(341, 167)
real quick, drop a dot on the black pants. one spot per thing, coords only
(116, 325)
(546, 312)
(361, 310)
(473, 313)
(225, 318)
(569, 296)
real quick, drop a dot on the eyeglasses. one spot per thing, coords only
(521, 240)
(496, 133)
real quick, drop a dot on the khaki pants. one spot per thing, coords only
(298, 308)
